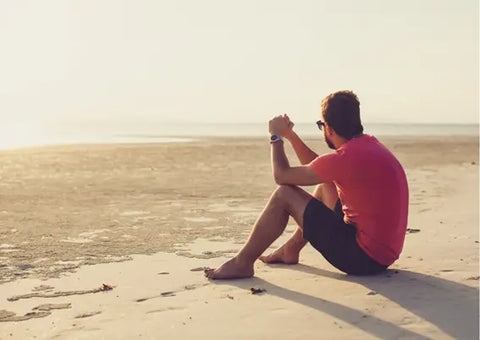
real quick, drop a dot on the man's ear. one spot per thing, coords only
(329, 130)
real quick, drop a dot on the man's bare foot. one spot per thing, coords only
(232, 269)
(284, 254)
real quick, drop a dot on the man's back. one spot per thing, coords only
(373, 189)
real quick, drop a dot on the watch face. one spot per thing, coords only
(273, 138)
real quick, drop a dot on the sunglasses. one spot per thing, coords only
(320, 125)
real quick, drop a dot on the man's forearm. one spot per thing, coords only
(279, 159)
(304, 153)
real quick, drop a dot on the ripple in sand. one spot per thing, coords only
(49, 306)
(43, 288)
(204, 249)
(7, 316)
(87, 315)
(68, 263)
(200, 219)
(93, 234)
(76, 240)
(222, 207)
(164, 309)
(213, 228)
(134, 213)
(250, 213)
(5, 246)
(8, 250)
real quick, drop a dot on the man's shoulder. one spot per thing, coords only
(365, 142)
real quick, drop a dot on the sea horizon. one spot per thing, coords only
(161, 132)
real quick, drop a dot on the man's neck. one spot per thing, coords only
(340, 141)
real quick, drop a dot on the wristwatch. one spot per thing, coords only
(275, 138)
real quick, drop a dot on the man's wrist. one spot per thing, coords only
(274, 138)
(287, 134)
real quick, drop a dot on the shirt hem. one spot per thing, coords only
(365, 249)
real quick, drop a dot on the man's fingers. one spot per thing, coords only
(290, 124)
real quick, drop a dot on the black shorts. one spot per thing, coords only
(336, 240)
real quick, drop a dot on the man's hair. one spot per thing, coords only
(341, 111)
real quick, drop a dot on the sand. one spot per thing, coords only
(140, 217)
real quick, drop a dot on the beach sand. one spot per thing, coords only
(146, 218)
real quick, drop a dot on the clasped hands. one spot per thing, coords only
(281, 125)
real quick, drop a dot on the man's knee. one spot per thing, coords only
(287, 195)
(327, 193)
(284, 192)
(293, 199)
(290, 194)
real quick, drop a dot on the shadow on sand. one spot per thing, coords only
(452, 307)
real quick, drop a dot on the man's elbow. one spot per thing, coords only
(279, 178)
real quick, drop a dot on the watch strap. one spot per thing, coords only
(275, 138)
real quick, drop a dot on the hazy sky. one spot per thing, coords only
(237, 61)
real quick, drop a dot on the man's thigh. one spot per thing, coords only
(295, 200)
(327, 193)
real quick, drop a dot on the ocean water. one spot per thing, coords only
(22, 134)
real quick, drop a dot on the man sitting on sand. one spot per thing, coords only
(357, 216)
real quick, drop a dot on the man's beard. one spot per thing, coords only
(329, 143)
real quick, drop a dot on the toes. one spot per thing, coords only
(208, 272)
(269, 258)
(265, 258)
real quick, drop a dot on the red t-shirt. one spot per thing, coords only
(373, 189)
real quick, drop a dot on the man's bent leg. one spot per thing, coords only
(327, 193)
(289, 252)
(286, 201)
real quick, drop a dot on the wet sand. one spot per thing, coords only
(193, 205)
